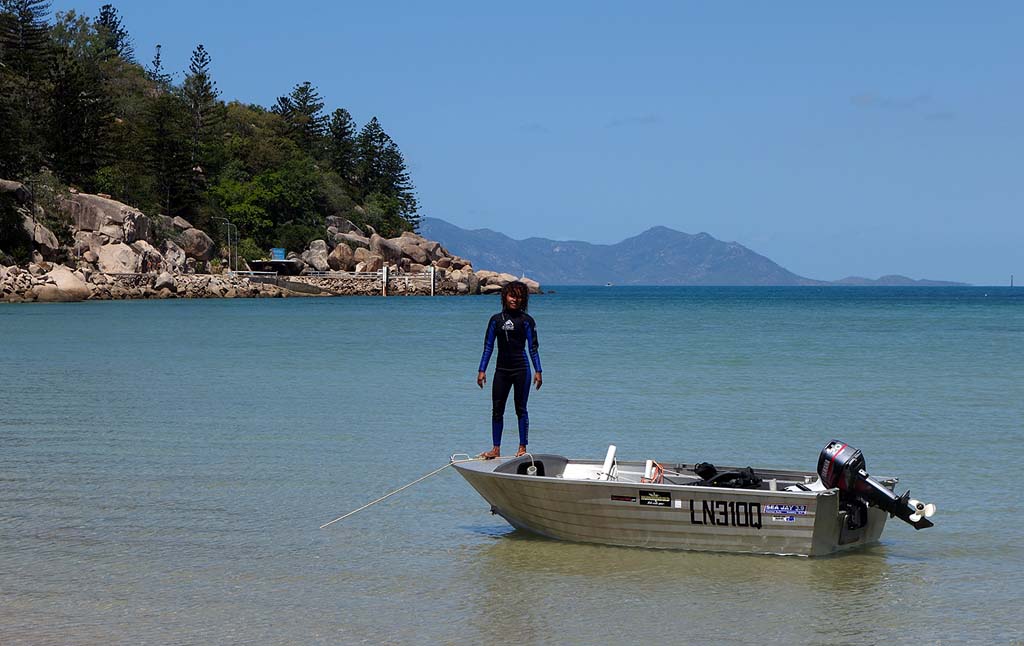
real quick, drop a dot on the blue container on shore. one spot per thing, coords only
(277, 253)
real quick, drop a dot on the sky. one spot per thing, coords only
(836, 139)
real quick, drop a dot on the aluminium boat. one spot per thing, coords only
(696, 506)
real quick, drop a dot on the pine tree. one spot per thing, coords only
(370, 146)
(80, 118)
(24, 59)
(156, 72)
(167, 152)
(303, 112)
(200, 93)
(399, 185)
(381, 171)
(25, 37)
(341, 147)
(115, 40)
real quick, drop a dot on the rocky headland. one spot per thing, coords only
(91, 247)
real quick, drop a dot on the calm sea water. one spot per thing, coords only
(164, 467)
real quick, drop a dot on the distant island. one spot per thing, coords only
(658, 256)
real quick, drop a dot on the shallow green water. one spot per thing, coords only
(164, 466)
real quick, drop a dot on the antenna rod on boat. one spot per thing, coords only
(388, 495)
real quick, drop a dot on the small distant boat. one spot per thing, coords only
(696, 506)
(608, 285)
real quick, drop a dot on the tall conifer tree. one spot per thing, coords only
(303, 112)
(381, 171)
(25, 37)
(156, 72)
(24, 60)
(114, 38)
(342, 145)
(200, 92)
(80, 118)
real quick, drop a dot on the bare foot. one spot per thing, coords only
(521, 451)
(490, 455)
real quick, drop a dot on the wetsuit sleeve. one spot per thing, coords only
(532, 344)
(492, 327)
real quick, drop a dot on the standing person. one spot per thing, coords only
(516, 333)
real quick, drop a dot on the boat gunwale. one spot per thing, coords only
(491, 472)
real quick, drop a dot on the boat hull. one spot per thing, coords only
(670, 516)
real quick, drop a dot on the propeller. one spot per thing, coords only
(921, 510)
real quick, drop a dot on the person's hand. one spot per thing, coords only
(538, 380)
(481, 378)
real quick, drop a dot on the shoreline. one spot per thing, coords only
(59, 284)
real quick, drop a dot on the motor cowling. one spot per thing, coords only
(841, 466)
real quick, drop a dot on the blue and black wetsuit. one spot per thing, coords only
(516, 334)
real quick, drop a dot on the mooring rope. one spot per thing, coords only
(402, 488)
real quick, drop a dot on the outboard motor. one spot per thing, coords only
(842, 466)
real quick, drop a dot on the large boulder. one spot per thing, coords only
(174, 257)
(70, 286)
(414, 237)
(357, 240)
(410, 248)
(343, 226)
(164, 281)
(113, 232)
(386, 249)
(432, 248)
(180, 223)
(87, 241)
(136, 227)
(360, 254)
(162, 222)
(532, 285)
(196, 244)
(151, 259)
(21, 194)
(118, 258)
(373, 262)
(42, 238)
(316, 256)
(91, 212)
(341, 258)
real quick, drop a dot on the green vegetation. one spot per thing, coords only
(14, 241)
(74, 100)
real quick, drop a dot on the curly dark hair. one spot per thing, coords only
(520, 291)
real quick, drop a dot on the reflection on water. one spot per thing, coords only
(584, 588)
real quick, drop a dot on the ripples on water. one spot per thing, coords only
(164, 467)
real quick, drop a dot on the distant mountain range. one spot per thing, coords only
(658, 256)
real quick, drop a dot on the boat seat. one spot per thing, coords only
(609, 463)
(817, 485)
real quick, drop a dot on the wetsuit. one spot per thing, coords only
(516, 334)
